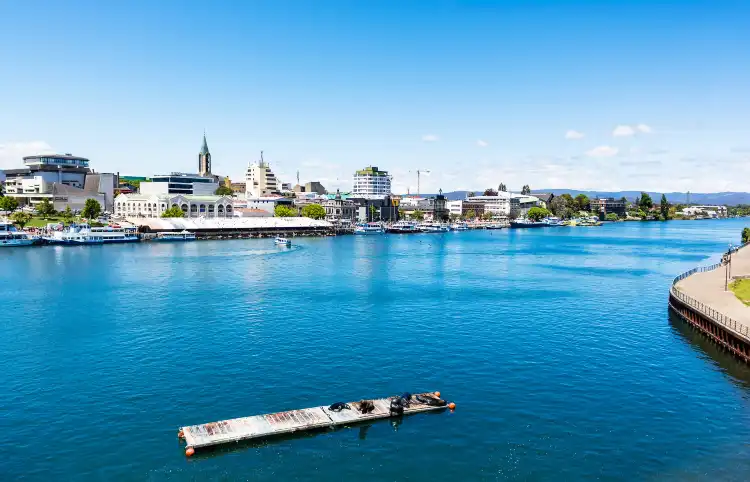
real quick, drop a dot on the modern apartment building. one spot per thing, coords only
(179, 183)
(260, 180)
(371, 183)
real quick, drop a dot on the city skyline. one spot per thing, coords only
(556, 95)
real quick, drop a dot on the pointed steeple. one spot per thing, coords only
(204, 147)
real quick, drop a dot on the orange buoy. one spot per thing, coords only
(452, 406)
(437, 394)
(189, 451)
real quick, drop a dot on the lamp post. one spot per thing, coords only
(728, 268)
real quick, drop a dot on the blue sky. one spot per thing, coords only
(649, 96)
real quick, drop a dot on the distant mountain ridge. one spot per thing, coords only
(725, 198)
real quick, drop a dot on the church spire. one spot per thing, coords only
(204, 158)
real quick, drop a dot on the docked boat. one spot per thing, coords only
(527, 223)
(181, 236)
(433, 228)
(368, 228)
(10, 236)
(402, 227)
(494, 226)
(552, 221)
(115, 234)
(281, 241)
(459, 227)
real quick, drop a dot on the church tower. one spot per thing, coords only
(204, 159)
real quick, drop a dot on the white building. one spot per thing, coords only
(371, 183)
(65, 180)
(180, 183)
(267, 203)
(499, 206)
(710, 211)
(193, 206)
(260, 181)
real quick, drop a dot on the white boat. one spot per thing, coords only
(84, 234)
(402, 227)
(184, 235)
(368, 228)
(494, 226)
(459, 227)
(10, 236)
(433, 228)
(281, 241)
(552, 221)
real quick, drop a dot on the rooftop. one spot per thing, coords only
(65, 157)
(371, 171)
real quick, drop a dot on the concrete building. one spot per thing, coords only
(339, 210)
(268, 203)
(371, 183)
(521, 203)
(545, 199)
(153, 205)
(310, 187)
(462, 207)
(260, 180)
(180, 183)
(65, 180)
(609, 205)
(434, 208)
(204, 159)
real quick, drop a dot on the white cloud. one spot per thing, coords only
(644, 129)
(482, 143)
(571, 134)
(603, 151)
(623, 131)
(430, 138)
(11, 153)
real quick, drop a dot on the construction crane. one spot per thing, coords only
(419, 173)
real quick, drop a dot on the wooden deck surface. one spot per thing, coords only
(260, 426)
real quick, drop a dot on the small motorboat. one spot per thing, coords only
(281, 241)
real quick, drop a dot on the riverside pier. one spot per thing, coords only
(306, 419)
(701, 299)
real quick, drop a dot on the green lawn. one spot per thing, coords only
(741, 289)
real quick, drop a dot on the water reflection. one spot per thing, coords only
(738, 371)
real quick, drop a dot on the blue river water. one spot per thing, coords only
(555, 344)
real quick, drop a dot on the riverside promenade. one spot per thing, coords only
(699, 297)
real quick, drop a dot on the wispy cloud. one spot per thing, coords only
(571, 134)
(643, 128)
(603, 151)
(482, 143)
(11, 153)
(430, 138)
(623, 131)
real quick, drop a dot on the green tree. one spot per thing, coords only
(401, 213)
(314, 211)
(173, 212)
(561, 207)
(67, 215)
(282, 211)
(502, 188)
(487, 216)
(611, 217)
(537, 214)
(418, 215)
(471, 214)
(9, 204)
(373, 212)
(92, 209)
(20, 218)
(526, 190)
(45, 208)
(136, 185)
(664, 207)
(224, 191)
(745, 235)
(490, 192)
(582, 202)
(471, 194)
(645, 202)
(454, 217)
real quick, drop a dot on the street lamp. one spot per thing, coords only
(727, 267)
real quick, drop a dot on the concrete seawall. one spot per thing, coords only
(699, 298)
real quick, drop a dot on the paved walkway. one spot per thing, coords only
(708, 288)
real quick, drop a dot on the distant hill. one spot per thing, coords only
(727, 198)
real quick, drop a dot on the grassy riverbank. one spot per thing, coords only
(741, 289)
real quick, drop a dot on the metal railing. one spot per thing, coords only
(704, 309)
